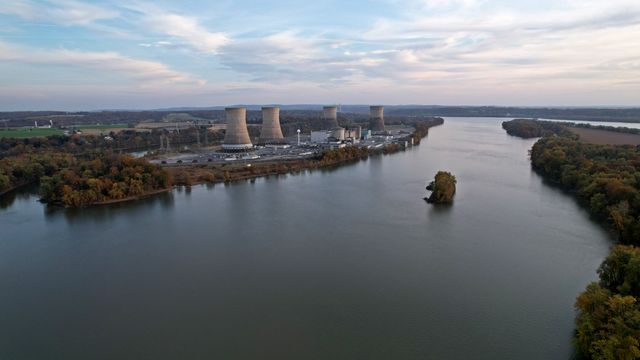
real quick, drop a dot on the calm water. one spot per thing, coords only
(343, 264)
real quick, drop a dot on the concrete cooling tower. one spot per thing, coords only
(237, 136)
(376, 118)
(271, 132)
(330, 117)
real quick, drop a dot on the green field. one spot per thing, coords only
(27, 133)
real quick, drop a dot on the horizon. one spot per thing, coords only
(68, 55)
(320, 105)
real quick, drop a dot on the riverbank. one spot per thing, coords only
(13, 188)
(134, 198)
(193, 174)
(604, 180)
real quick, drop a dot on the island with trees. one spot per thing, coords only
(606, 181)
(526, 128)
(81, 170)
(442, 188)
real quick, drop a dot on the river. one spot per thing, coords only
(342, 264)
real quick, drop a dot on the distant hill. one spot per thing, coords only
(216, 113)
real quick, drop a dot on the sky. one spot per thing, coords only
(92, 55)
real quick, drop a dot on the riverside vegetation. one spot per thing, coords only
(606, 181)
(78, 171)
(71, 181)
(442, 188)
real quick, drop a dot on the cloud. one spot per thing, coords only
(144, 72)
(450, 3)
(283, 56)
(450, 47)
(186, 30)
(64, 12)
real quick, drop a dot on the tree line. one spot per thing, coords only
(526, 128)
(531, 128)
(606, 180)
(123, 140)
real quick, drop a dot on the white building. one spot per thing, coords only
(321, 136)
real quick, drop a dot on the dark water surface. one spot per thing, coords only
(343, 264)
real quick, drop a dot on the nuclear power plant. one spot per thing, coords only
(303, 138)
(236, 137)
(330, 117)
(376, 118)
(271, 132)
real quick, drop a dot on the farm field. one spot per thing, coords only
(604, 137)
(40, 132)
(27, 132)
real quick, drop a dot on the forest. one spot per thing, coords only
(105, 178)
(29, 168)
(608, 321)
(529, 128)
(70, 181)
(606, 180)
(526, 128)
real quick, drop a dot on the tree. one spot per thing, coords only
(442, 188)
(608, 321)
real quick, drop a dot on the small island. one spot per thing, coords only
(442, 188)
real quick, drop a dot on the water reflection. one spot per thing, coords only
(104, 214)
(24, 193)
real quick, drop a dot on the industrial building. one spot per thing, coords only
(321, 136)
(330, 117)
(271, 132)
(353, 134)
(376, 119)
(237, 136)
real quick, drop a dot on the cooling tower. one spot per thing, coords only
(330, 117)
(237, 135)
(271, 132)
(376, 118)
